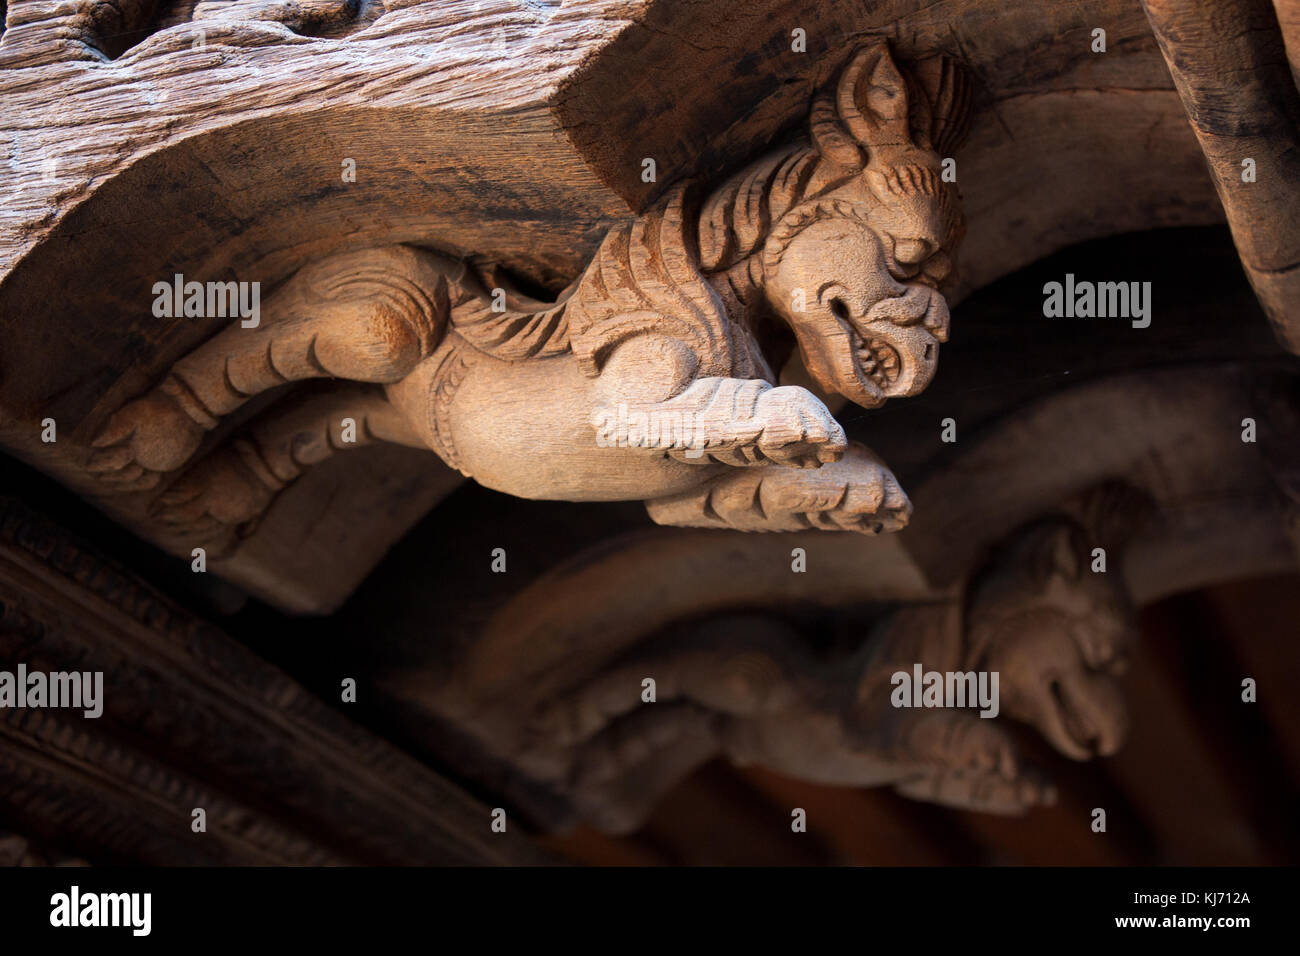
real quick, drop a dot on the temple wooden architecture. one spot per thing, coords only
(519, 432)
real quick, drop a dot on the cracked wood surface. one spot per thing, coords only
(1229, 60)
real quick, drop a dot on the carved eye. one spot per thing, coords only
(911, 251)
(831, 297)
(1103, 647)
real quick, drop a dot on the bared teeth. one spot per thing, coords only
(877, 359)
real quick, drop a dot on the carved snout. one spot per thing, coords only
(1046, 683)
(891, 350)
(917, 305)
(1082, 714)
(896, 344)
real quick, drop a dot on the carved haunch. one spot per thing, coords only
(645, 379)
(369, 317)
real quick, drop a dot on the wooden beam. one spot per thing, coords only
(1229, 63)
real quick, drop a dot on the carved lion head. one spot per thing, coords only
(856, 266)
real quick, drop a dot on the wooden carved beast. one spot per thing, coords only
(651, 377)
(792, 695)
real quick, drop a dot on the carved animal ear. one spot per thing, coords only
(872, 100)
(879, 108)
(831, 139)
(941, 100)
(1065, 558)
(1111, 513)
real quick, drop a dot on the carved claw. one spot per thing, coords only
(986, 792)
(973, 763)
(637, 740)
(798, 429)
(856, 493)
(869, 502)
(970, 762)
(217, 495)
(563, 723)
(956, 740)
(980, 746)
(115, 467)
(142, 441)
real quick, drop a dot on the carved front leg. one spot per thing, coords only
(714, 420)
(857, 493)
(963, 760)
(616, 784)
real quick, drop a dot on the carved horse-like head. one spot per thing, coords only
(1059, 636)
(855, 267)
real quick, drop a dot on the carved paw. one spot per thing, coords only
(985, 792)
(973, 764)
(562, 722)
(857, 493)
(216, 496)
(980, 745)
(142, 441)
(798, 430)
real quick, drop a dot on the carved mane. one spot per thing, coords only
(850, 131)
(650, 274)
(647, 276)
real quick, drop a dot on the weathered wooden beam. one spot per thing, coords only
(1229, 63)
(1288, 19)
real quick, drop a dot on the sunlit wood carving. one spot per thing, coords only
(654, 376)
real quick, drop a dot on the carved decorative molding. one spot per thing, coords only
(192, 719)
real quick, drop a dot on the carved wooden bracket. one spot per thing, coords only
(513, 138)
(756, 690)
(645, 379)
(575, 252)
